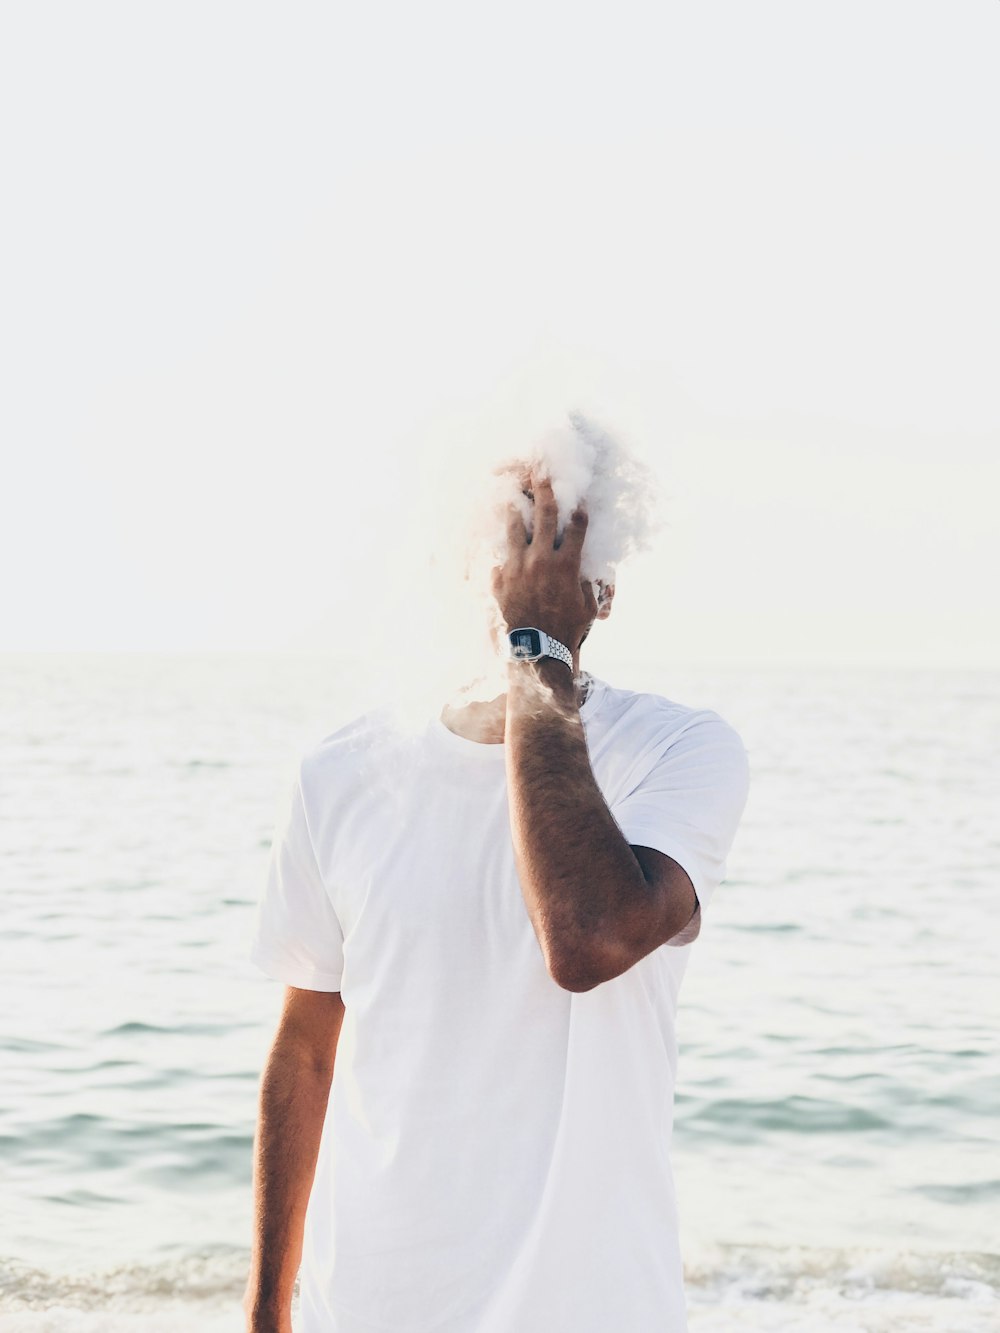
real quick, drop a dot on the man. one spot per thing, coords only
(483, 930)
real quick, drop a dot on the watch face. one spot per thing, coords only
(525, 643)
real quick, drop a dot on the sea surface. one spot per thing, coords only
(837, 1142)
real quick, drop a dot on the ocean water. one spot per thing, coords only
(837, 1141)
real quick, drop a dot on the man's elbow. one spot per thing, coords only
(572, 975)
(585, 965)
(589, 960)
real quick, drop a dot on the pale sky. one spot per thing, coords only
(262, 262)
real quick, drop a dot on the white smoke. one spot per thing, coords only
(586, 465)
(444, 651)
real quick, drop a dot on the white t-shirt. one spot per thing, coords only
(495, 1157)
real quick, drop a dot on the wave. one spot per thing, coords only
(728, 1286)
(744, 1118)
(210, 1277)
(801, 1290)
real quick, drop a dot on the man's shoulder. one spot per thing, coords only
(354, 744)
(644, 712)
(685, 746)
(371, 748)
(356, 733)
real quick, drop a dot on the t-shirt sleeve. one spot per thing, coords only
(297, 937)
(689, 802)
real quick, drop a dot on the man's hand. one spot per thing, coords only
(539, 583)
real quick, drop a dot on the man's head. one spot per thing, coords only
(463, 522)
(585, 467)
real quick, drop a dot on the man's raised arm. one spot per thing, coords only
(596, 908)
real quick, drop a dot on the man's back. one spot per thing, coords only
(496, 1150)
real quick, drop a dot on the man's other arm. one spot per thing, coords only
(294, 1091)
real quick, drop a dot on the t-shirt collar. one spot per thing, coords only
(494, 753)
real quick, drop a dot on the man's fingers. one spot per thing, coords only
(517, 533)
(546, 512)
(576, 530)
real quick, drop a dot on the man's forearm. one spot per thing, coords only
(578, 874)
(293, 1100)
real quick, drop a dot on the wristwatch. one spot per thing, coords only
(528, 644)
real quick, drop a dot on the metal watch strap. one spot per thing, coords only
(559, 651)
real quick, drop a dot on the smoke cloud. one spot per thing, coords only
(586, 465)
(445, 618)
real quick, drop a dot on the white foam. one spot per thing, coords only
(800, 1290)
(832, 1312)
(759, 1287)
(171, 1318)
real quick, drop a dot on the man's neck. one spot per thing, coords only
(485, 722)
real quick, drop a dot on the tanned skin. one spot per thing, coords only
(294, 1091)
(597, 904)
